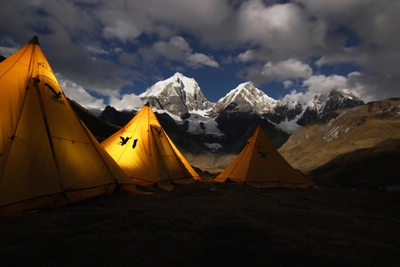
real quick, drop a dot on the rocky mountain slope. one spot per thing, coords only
(354, 140)
(119, 118)
(99, 128)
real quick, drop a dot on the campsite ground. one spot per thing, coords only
(207, 224)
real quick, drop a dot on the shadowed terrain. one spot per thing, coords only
(368, 168)
(207, 224)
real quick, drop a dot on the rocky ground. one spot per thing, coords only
(207, 224)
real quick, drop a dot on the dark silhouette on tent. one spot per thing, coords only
(158, 131)
(124, 140)
(57, 95)
(134, 143)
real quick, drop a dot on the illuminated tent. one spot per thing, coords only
(48, 158)
(260, 165)
(145, 152)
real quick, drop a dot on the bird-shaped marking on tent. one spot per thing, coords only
(124, 140)
(158, 131)
(56, 94)
(134, 143)
(36, 80)
(263, 154)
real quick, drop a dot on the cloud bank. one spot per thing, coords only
(107, 49)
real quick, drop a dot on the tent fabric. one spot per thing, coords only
(260, 165)
(48, 158)
(145, 152)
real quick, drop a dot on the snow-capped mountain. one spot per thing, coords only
(227, 124)
(178, 95)
(182, 96)
(321, 106)
(288, 116)
(245, 98)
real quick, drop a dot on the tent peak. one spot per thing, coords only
(34, 40)
(147, 104)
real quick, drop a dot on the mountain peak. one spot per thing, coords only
(245, 85)
(178, 81)
(339, 98)
(178, 74)
(177, 94)
(344, 93)
(323, 104)
(247, 98)
(178, 78)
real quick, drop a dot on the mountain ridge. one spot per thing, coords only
(182, 96)
(226, 125)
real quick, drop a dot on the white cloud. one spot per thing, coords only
(301, 97)
(287, 84)
(179, 50)
(77, 93)
(127, 102)
(7, 51)
(281, 29)
(122, 30)
(279, 71)
(366, 87)
(320, 84)
(127, 20)
(175, 49)
(288, 69)
(374, 87)
(96, 50)
(249, 55)
(198, 60)
(323, 84)
(373, 24)
(266, 32)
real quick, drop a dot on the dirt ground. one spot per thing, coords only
(207, 224)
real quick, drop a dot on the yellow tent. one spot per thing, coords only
(48, 158)
(145, 152)
(260, 165)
